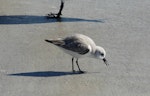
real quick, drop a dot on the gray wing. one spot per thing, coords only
(71, 43)
(76, 45)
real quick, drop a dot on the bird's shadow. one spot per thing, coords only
(44, 74)
(32, 19)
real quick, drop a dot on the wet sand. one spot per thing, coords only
(29, 66)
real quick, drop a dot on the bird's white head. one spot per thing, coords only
(100, 53)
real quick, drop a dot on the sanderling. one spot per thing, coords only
(78, 46)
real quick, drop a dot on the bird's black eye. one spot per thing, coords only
(102, 54)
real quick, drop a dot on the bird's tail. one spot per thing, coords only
(56, 42)
(50, 41)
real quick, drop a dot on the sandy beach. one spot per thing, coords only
(29, 66)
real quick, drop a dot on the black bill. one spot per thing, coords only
(105, 61)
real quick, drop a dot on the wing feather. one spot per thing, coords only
(76, 45)
(71, 43)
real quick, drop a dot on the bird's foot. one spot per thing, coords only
(53, 15)
(73, 71)
(78, 72)
(81, 72)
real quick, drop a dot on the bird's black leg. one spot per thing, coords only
(53, 15)
(73, 65)
(61, 8)
(79, 67)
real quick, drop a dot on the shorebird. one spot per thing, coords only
(79, 46)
